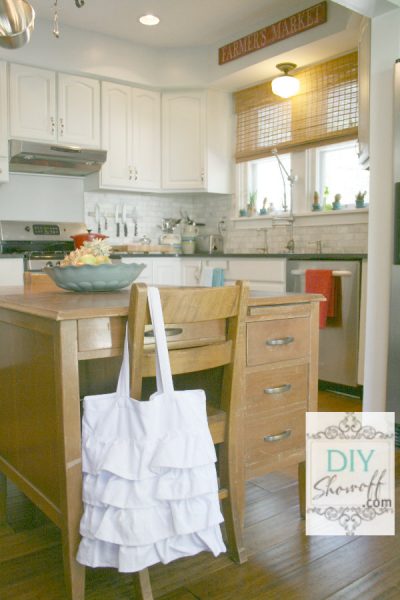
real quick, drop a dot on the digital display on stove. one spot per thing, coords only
(45, 229)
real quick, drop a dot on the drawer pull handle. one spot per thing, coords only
(279, 389)
(280, 341)
(169, 331)
(278, 436)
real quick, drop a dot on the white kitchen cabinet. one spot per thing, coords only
(190, 271)
(196, 141)
(263, 274)
(46, 106)
(146, 276)
(11, 271)
(3, 124)
(131, 136)
(167, 271)
(78, 111)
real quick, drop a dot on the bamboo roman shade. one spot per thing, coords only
(324, 111)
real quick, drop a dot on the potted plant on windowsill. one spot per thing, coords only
(251, 205)
(360, 200)
(336, 203)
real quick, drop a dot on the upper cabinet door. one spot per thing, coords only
(146, 139)
(32, 103)
(78, 111)
(183, 129)
(117, 135)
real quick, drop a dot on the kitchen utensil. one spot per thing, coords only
(97, 216)
(95, 278)
(124, 223)
(17, 19)
(117, 221)
(168, 224)
(87, 237)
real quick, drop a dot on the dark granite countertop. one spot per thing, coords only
(293, 256)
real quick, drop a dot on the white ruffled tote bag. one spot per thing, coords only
(150, 488)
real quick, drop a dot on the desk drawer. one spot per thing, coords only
(277, 389)
(271, 441)
(278, 340)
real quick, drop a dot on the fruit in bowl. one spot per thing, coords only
(89, 269)
(96, 252)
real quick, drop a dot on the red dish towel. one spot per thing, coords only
(319, 281)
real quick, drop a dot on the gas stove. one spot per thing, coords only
(42, 243)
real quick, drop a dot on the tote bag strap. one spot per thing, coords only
(163, 368)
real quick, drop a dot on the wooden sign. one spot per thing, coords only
(286, 28)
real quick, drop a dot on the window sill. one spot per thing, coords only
(311, 218)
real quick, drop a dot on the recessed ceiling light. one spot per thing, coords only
(149, 20)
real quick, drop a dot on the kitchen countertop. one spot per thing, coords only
(294, 256)
(61, 305)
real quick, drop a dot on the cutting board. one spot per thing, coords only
(145, 248)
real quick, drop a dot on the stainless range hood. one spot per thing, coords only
(52, 159)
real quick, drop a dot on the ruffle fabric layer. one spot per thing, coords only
(175, 484)
(128, 559)
(150, 486)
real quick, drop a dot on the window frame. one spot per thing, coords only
(305, 164)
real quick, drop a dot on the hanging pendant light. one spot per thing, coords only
(16, 23)
(285, 85)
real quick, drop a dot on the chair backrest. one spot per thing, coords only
(208, 331)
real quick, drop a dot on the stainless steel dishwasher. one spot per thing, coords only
(338, 345)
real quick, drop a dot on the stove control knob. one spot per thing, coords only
(27, 228)
(49, 263)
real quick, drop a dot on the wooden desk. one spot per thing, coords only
(43, 337)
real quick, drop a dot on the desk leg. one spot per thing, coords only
(3, 499)
(66, 363)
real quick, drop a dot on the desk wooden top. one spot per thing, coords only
(60, 305)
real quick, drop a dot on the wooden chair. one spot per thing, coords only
(207, 327)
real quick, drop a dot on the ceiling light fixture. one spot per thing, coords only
(56, 29)
(149, 20)
(17, 19)
(285, 85)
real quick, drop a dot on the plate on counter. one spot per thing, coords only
(95, 278)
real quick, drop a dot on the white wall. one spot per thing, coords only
(41, 197)
(385, 49)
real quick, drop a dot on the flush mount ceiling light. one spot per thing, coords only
(149, 20)
(285, 85)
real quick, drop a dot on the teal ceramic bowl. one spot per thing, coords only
(95, 278)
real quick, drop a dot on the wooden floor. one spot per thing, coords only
(283, 563)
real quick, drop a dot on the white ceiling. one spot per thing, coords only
(183, 22)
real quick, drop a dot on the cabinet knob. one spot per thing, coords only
(279, 389)
(135, 174)
(52, 124)
(278, 436)
(61, 126)
(280, 341)
(130, 173)
(202, 176)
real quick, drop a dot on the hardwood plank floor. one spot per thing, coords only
(283, 563)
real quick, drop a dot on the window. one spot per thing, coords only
(339, 172)
(266, 183)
